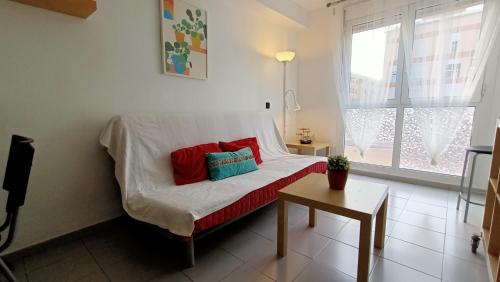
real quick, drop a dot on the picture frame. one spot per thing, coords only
(184, 39)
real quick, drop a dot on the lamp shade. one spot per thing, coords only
(285, 56)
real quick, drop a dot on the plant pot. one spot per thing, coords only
(179, 36)
(196, 41)
(179, 64)
(337, 179)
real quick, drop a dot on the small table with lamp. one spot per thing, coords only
(314, 147)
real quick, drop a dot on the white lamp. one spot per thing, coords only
(285, 57)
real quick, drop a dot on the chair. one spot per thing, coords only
(15, 182)
(477, 150)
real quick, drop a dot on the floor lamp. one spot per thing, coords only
(286, 57)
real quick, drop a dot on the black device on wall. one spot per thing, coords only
(15, 182)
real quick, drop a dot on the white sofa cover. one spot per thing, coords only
(141, 147)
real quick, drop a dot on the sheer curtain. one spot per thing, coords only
(364, 83)
(447, 45)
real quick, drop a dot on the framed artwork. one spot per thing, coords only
(184, 39)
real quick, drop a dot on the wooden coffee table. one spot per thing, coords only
(360, 200)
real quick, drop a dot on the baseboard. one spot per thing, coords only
(71, 236)
(414, 181)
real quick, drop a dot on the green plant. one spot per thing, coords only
(338, 163)
(179, 27)
(178, 48)
(196, 24)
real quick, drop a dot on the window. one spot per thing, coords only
(452, 74)
(398, 144)
(380, 152)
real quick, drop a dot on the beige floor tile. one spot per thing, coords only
(394, 213)
(419, 236)
(303, 240)
(459, 270)
(246, 273)
(397, 202)
(461, 248)
(322, 273)
(342, 257)
(424, 221)
(245, 244)
(426, 209)
(213, 265)
(457, 228)
(431, 196)
(413, 256)
(282, 269)
(265, 226)
(66, 270)
(325, 226)
(388, 271)
(332, 216)
(66, 251)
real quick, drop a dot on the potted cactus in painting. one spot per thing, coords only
(338, 170)
(177, 56)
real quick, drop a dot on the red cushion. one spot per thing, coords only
(189, 163)
(236, 145)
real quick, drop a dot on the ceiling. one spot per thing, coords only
(310, 5)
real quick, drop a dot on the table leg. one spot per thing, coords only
(380, 226)
(282, 227)
(365, 240)
(312, 217)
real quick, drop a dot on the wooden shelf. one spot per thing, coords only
(491, 219)
(78, 8)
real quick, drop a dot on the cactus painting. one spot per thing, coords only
(184, 39)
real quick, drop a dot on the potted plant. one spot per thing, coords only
(179, 30)
(178, 55)
(338, 170)
(195, 27)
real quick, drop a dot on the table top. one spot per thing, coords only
(313, 145)
(360, 199)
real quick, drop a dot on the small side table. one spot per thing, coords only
(363, 201)
(314, 147)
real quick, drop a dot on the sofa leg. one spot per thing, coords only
(188, 253)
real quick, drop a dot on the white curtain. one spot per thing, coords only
(439, 85)
(364, 83)
(443, 75)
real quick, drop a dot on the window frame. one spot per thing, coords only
(402, 99)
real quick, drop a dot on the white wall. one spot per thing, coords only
(316, 84)
(62, 78)
(320, 107)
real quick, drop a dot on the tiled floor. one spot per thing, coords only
(426, 241)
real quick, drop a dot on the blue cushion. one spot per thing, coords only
(227, 164)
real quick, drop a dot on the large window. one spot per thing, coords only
(399, 143)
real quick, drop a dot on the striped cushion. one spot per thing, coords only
(227, 164)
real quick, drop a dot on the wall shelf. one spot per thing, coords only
(78, 8)
(491, 219)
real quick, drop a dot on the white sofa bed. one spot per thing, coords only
(141, 147)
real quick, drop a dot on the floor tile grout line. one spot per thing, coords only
(95, 259)
(412, 268)
(444, 245)
(415, 244)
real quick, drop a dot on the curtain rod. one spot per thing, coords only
(334, 2)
